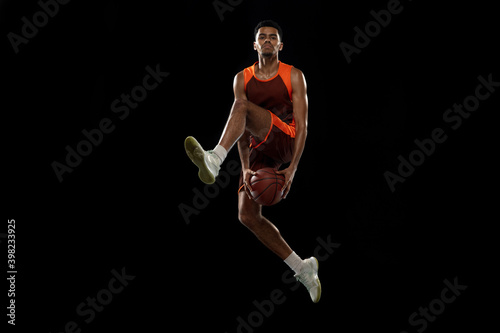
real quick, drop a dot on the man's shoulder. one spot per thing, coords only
(295, 71)
(247, 71)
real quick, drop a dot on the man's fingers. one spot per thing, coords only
(247, 185)
(248, 189)
(247, 179)
(286, 189)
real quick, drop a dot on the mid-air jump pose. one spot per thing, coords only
(268, 120)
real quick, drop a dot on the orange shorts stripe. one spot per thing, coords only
(288, 129)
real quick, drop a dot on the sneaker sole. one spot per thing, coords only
(196, 153)
(319, 283)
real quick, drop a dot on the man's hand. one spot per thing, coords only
(289, 174)
(247, 175)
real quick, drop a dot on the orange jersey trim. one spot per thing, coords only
(284, 70)
(248, 73)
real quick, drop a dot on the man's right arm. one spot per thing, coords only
(243, 142)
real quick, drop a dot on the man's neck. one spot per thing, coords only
(268, 66)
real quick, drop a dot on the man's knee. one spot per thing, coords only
(240, 104)
(248, 219)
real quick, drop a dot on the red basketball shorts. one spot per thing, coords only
(275, 150)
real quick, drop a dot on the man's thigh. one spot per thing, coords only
(259, 121)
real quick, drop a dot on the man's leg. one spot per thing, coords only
(244, 116)
(306, 271)
(250, 215)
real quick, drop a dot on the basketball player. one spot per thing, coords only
(268, 120)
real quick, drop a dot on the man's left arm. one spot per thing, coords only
(300, 109)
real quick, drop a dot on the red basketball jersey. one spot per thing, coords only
(274, 94)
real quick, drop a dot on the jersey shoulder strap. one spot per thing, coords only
(248, 74)
(285, 71)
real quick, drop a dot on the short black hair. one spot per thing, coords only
(268, 23)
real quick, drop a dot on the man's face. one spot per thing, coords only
(267, 42)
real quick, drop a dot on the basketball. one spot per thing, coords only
(267, 187)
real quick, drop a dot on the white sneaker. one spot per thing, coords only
(308, 276)
(206, 161)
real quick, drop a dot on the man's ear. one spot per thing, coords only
(255, 46)
(281, 46)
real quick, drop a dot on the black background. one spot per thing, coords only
(120, 207)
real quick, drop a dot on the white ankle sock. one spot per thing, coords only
(220, 152)
(294, 262)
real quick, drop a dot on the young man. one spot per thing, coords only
(268, 120)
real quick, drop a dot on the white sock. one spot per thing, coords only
(294, 262)
(221, 152)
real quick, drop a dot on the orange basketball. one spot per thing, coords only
(267, 187)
